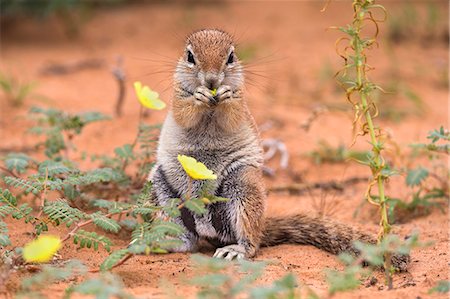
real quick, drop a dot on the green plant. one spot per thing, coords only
(102, 285)
(429, 185)
(372, 255)
(15, 91)
(359, 90)
(217, 278)
(325, 153)
(442, 286)
(106, 196)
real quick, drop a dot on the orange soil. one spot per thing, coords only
(292, 47)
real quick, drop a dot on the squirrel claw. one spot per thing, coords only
(224, 93)
(230, 252)
(202, 94)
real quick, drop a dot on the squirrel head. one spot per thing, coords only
(209, 60)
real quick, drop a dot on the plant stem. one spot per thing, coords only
(377, 167)
(87, 222)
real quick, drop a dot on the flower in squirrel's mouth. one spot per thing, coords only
(214, 92)
(148, 98)
(196, 170)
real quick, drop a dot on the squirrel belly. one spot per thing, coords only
(217, 129)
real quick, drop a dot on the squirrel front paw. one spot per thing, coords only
(223, 94)
(203, 95)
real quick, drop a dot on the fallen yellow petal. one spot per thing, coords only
(147, 97)
(196, 170)
(42, 249)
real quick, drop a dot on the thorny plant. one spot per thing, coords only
(358, 90)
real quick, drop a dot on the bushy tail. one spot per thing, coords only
(322, 233)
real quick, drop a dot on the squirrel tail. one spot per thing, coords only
(322, 233)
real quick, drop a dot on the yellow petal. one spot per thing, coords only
(196, 170)
(214, 92)
(147, 97)
(42, 249)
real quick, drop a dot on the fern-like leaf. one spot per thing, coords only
(17, 161)
(196, 205)
(105, 223)
(99, 175)
(5, 211)
(52, 168)
(166, 228)
(416, 176)
(6, 197)
(91, 239)
(26, 185)
(124, 152)
(113, 259)
(4, 238)
(61, 212)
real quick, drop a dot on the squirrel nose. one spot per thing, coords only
(211, 81)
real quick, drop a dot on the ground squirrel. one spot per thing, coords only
(219, 131)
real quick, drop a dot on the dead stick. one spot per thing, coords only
(119, 74)
(121, 262)
(332, 185)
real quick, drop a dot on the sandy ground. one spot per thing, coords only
(291, 51)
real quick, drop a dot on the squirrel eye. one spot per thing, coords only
(230, 58)
(190, 57)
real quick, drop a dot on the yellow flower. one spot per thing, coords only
(214, 92)
(148, 98)
(196, 170)
(42, 249)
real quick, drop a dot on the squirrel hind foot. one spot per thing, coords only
(230, 252)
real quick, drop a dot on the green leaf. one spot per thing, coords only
(125, 152)
(343, 281)
(103, 286)
(282, 288)
(17, 161)
(169, 243)
(436, 135)
(442, 286)
(61, 212)
(5, 210)
(7, 198)
(105, 223)
(113, 259)
(50, 274)
(196, 205)
(415, 176)
(4, 240)
(25, 185)
(89, 239)
(167, 228)
(52, 168)
(98, 175)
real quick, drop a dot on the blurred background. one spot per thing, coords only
(82, 55)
